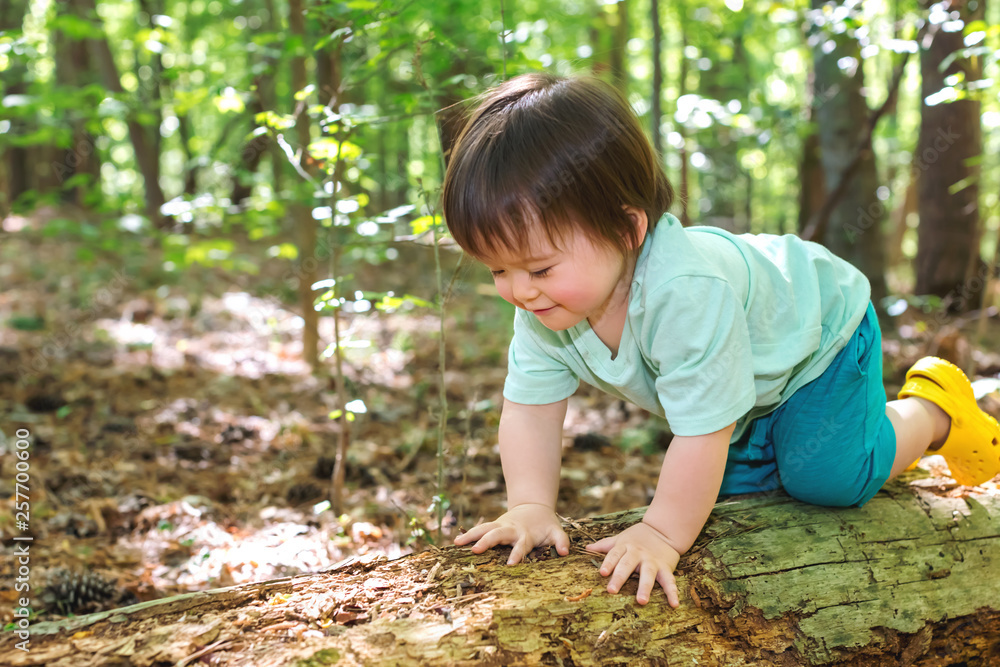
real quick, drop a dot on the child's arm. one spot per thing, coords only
(531, 453)
(685, 494)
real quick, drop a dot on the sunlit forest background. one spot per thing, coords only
(233, 324)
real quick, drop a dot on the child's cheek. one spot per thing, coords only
(503, 289)
(571, 295)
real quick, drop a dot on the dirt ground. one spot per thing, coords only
(179, 443)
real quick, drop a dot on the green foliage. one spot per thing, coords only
(203, 65)
(26, 323)
(327, 656)
(208, 84)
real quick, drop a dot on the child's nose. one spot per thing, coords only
(522, 289)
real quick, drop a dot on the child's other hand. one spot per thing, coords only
(524, 526)
(640, 547)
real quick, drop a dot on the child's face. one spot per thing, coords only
(579, 280)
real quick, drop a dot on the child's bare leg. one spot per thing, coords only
(919, 425)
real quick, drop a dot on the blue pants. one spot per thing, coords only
(830, 443)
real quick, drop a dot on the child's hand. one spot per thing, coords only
(525, 526)
(640, 547)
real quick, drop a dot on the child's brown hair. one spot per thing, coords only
(563, 152)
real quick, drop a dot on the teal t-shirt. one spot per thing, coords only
(721, 328)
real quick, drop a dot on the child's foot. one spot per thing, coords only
(972, 448)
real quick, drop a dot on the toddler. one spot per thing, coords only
(762, 352)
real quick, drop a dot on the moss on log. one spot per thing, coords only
(911, 579)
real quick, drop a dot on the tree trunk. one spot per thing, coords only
(14, 169)
(684, 191)
(264, 99)
(147, 159)
(300, 209)
(619, 47)
(269, 96)
(656, 111)
(251, 152)
(150, 94)
(854, 228)
(596, 29)
(948, 146)
(898, 218)
(720, 183)
(909, 579)
(812, 187)
(73, 70)
(451, 112)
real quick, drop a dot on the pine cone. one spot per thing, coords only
(69, 592)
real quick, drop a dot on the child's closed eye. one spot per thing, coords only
(542, 273)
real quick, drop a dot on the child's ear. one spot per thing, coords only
(640, 221)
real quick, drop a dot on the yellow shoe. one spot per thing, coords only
(972, 448)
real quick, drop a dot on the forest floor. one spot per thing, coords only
(180, 443)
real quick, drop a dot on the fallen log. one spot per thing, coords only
(912, 578)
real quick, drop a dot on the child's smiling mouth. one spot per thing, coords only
(544, 311)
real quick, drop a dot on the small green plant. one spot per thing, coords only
(26, 323)
(327, 656)
(418, 533)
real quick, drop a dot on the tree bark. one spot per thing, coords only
(150, 94)
(656, 110)
(908, 204)
(854, 229)
(721, 181)
(15, 167)
(684, 190)
(452, 111)
(301, 211)
(949, 143)
(269, 96)
(73, 70)
(264, 99)
(619, 47)
(146, 158)
(909, 579)
(251, 152)
(812, 186)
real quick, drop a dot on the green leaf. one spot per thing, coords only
(76, 28)
(186, 100)
(210, 252)
(229, 102)
(275, 121)
(336, 34)
(283, 251)
(305, 92)
(425, 222)
(975, 26)
(390, 303)
(26, 323)
(328, 149)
